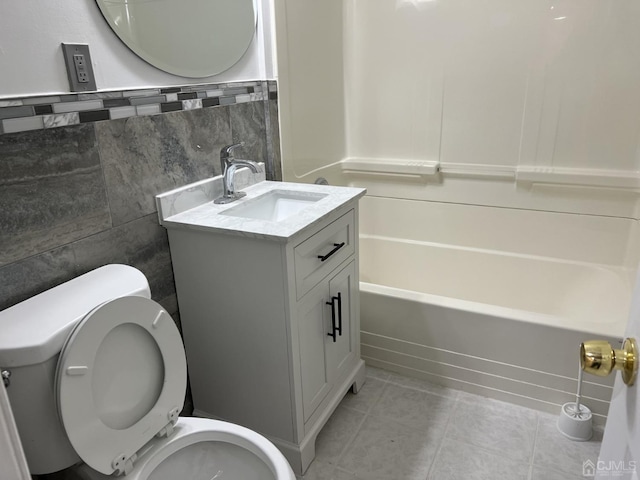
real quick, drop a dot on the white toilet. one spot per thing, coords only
(98, 375)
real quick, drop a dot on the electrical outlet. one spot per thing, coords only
(79, 70)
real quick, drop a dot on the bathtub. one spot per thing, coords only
(491, 300)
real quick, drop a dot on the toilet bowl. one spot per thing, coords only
(117, 365)
(203, 449)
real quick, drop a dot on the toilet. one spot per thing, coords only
(98, 378)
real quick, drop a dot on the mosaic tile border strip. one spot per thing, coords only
(36, 113)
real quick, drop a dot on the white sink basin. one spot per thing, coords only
(274, 206)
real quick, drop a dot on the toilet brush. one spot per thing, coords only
(575, 420)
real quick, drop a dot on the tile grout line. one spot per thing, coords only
(444, 435)
(104, 176)
(367, 414)
(535, 447)
(390, 383)
(349, 442)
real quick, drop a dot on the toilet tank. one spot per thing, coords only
(32, 334)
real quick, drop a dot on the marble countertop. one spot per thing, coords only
(200, 213)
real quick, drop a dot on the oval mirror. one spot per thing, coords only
(191, 38)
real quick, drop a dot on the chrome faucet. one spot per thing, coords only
(229, 166)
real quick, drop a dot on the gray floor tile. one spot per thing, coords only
(376, 372)
(339, 474)
(385, 450)
(457, 460)
(318, 470)
(368, 395)
(413, 408)
(337, 433)
(422, 385)
(506, 429)
(544, 474)
(556, 452)
(406, 429)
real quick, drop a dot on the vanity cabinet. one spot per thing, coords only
(271, 326)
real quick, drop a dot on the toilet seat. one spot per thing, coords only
(120, 380)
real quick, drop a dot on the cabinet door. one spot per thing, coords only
(312, 331)
(340, 352)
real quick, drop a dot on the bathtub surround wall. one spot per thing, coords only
(73, 198)
(529, 105)
(547, 89)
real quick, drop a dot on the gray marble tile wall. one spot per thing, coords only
(73, 198)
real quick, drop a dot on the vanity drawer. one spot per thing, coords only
(318, 255)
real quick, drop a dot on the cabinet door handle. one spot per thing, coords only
(339, 298)
(337, 246)
(333, 319)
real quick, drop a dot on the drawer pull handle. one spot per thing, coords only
(337, 246)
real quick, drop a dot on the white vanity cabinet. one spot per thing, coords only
(271, 326)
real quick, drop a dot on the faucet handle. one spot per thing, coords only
(228, 150)
(226, 154)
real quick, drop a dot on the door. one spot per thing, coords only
(620, 453)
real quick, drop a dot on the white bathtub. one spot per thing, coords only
(491, 300)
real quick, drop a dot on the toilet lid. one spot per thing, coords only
(120, 380)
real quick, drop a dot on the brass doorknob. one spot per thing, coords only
(599, 358)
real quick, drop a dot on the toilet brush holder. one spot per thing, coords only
(576, 422)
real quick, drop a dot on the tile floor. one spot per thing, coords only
(399, 428)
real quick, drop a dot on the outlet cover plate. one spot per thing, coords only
(69, 50)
